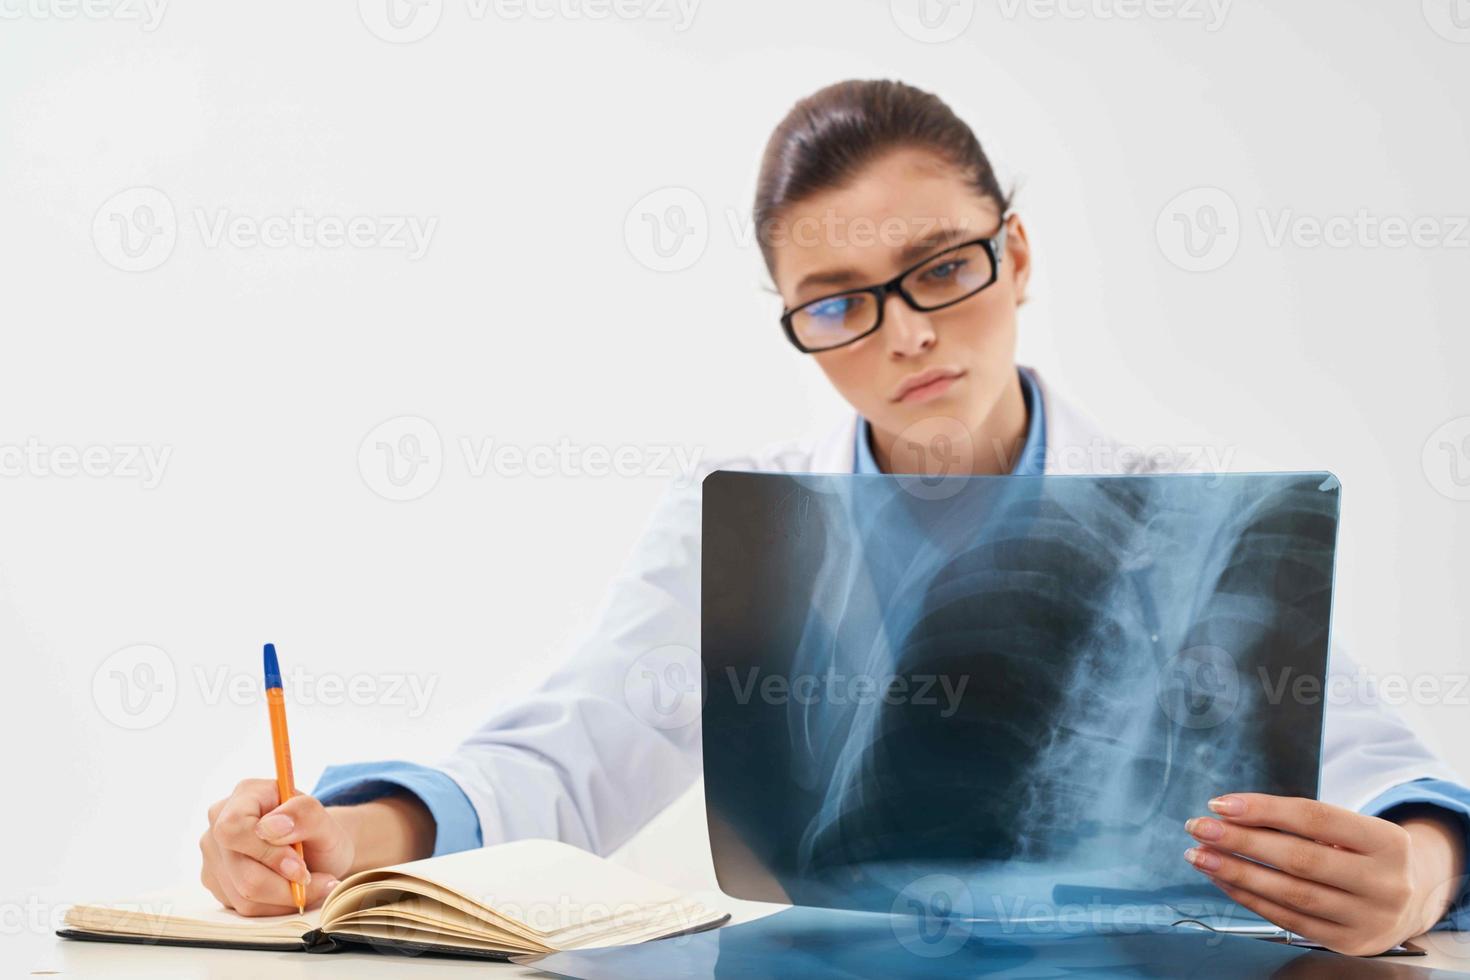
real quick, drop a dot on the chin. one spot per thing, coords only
(954, 418)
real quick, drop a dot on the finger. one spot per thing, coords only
(284, 861)
(1311, 819)
(230, 900)
(1321, 901)
(243, 807)
(257, 884)
(1297, 856)
(208, 871)
(1334, 937)
(234, 825)
(262, 791)
(303, 819)
(261, 891)
(234, 834)
(321, 886)
(1300, 923)
(220, 885)
(299, 819)
(211, 884)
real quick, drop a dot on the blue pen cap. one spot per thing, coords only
(272, 668)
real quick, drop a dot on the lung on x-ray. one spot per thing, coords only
(1022, 684)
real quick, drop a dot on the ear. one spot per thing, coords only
(1017, 257)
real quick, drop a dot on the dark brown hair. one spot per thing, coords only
(830, 135)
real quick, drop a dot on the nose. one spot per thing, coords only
(908, 332)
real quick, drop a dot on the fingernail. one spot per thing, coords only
(1202, 859)
(330, 883)
(1204, 828)
(295, 870)
(1230, 806)
(274, 826)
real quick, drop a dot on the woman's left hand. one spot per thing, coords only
(1351, 882)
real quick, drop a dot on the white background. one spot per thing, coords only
(534, 316)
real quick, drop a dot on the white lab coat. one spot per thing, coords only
(582, 760)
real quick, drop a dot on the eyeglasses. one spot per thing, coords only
(941, 280)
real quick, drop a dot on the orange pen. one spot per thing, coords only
(281, 742)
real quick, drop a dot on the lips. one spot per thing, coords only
(929, 382)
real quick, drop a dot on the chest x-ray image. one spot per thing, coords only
(1019, 687)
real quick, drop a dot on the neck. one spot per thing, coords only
(994, 446)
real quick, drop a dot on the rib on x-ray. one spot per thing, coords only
(1024, 684)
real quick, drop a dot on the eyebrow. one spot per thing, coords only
(907, 256)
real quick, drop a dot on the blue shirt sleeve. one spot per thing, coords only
(1450, 797)
(456, 826)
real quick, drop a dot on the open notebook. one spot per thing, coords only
(525, 897)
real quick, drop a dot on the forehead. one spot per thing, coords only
(904, 197)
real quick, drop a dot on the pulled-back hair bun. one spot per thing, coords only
(830, 135)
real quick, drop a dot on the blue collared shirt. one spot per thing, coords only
(1030, 461)
(458, 826)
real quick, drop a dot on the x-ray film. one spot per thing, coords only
(1001, 697)
(805, 942)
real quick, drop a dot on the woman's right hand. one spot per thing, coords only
(248, 861)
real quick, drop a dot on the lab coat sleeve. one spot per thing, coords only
(1367, 748)
(613, 736)
(1372, 761)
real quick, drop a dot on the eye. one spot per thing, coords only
(834, 308)
(944, 270)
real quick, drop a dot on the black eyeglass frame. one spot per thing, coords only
(994, 245)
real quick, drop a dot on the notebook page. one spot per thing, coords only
(190, 918)
(547, 885)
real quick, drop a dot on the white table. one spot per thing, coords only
(74, 958)
(1448, 951)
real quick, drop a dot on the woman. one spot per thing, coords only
(902, 269)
